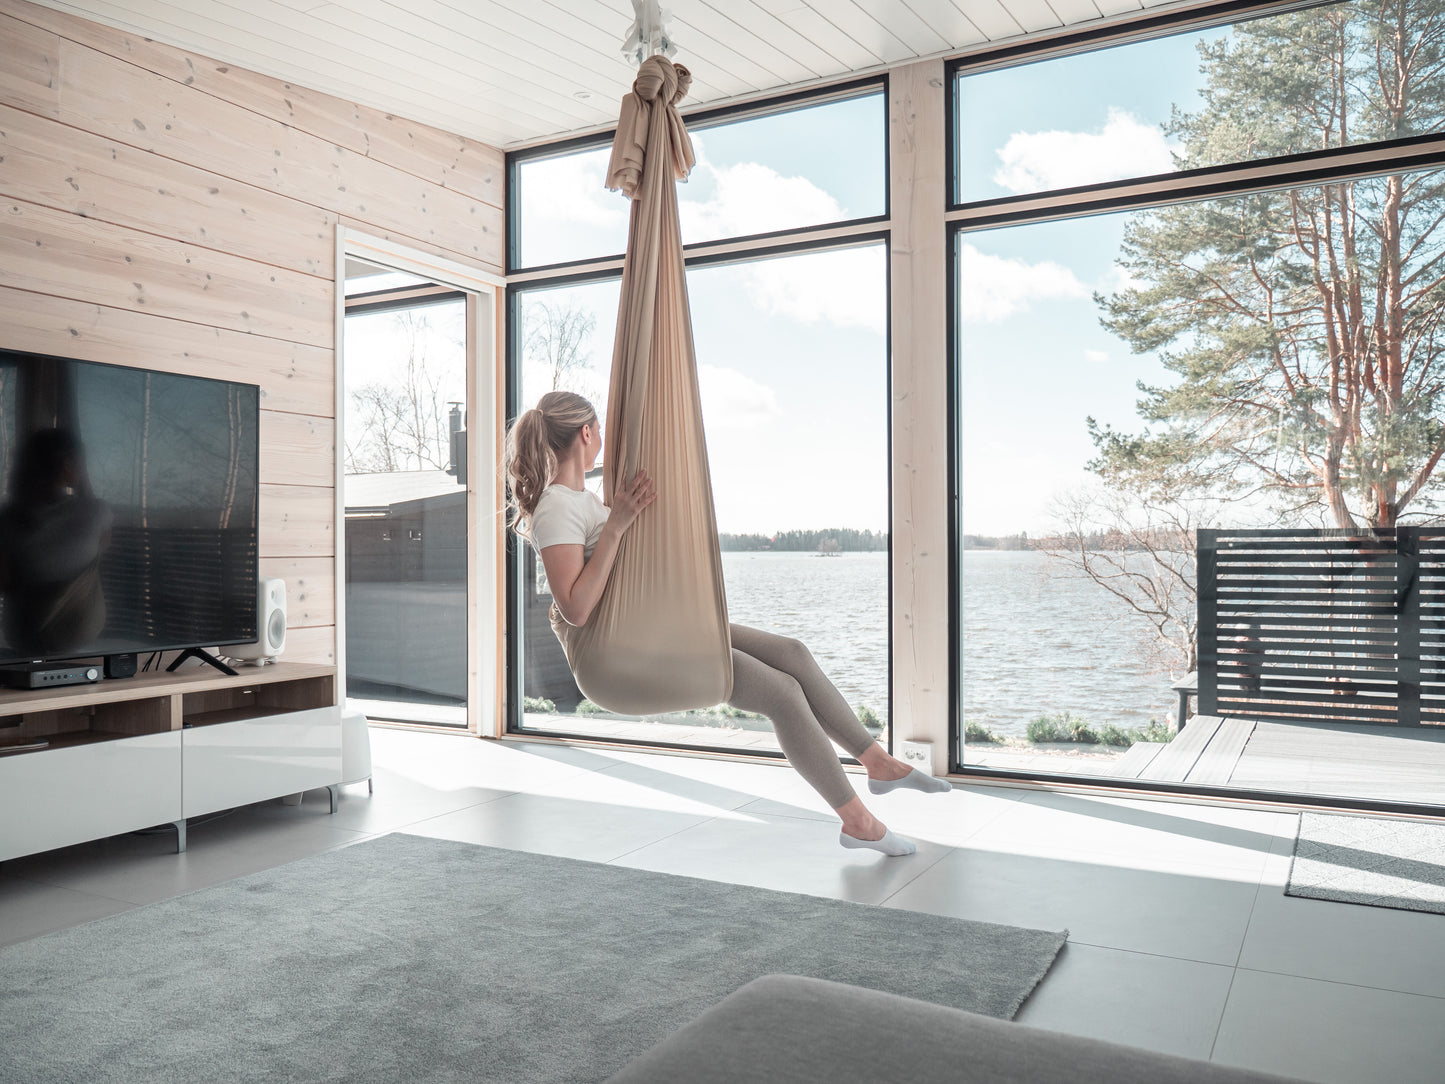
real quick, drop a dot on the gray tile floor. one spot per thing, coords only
(1181, 938)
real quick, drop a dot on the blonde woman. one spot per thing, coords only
(549, 451)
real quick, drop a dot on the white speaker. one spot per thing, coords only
(270, 620)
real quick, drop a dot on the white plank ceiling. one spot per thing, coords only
(512, 72)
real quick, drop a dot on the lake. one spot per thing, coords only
(1037, 636)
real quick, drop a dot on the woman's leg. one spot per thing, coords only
(762, 688)
(791, 656)
(765, 689)
(828, 706)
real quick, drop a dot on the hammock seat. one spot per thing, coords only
(658, 639)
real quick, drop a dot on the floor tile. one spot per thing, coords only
(1143, 834)
(29, 908)
(143, 867)
(785, 853)
(1153, 1002)
(549, 824)
(1331, 1032)
(1193, 916)
(1343, 942)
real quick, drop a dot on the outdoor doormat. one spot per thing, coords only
(412, 958)
(1379, 861)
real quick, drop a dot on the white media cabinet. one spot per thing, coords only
(132, 753)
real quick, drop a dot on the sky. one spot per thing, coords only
(792, 350)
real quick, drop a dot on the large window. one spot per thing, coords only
(1184, 427)
(1293, 83)
(813, 165)
(792, 357)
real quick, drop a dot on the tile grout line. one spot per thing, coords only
(1244, 939)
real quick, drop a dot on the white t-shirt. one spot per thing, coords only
(568, 516)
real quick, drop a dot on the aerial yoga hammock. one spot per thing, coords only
(658, 640)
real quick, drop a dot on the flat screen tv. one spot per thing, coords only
(128, 510)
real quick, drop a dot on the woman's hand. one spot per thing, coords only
(630, 500)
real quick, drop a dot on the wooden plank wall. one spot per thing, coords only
(165, 210)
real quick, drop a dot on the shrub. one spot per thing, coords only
(729, 712)
(1062, 727)
(1109, 734)
(538, 704)
(1156, 731)
(586, 707)
(977, 732)
(869, 718)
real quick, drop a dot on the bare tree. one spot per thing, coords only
(401, 423)
(558, 334)
(1141, 549)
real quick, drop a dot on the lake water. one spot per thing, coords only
(1037, 636)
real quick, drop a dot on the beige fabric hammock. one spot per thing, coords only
(658, 640)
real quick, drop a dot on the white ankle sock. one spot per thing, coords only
(914, 780)
(891, 845)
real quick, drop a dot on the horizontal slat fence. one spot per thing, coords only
(1338, 626)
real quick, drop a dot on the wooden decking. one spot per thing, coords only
(1397, 764)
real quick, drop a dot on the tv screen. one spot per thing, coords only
(128, 509)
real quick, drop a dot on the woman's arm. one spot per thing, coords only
(576, 582)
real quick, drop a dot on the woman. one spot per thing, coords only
(549, 451)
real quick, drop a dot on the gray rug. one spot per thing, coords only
(407, 958)
(1379, 861)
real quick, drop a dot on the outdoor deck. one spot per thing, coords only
(1397, 764)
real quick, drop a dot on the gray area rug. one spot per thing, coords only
(1380, 861)
(407, 958)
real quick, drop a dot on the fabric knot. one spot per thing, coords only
(659, 79)
(659, 86)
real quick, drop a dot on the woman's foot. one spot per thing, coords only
(886, 772)
(914, 780)
(882, 765)
(889, 844)
(861, 829)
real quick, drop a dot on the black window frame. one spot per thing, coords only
(1134, 193)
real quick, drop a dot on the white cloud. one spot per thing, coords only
(752, 198)
(570, 189)
(1118, 280)
(993, 288)
(734, 401)
(1124, 147)
(842, 288)
(1096, 355)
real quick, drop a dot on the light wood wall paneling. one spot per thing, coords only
(310, 589)
(316, 644)
(296, 521)
(68, 170)
(437, 156)
(298, 449)
(51, 252)
(292, 376)
(141, 109)
(920, 446)
(29, 78)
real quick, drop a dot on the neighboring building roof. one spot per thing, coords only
(376, 491)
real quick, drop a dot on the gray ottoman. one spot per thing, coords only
(783, 1029)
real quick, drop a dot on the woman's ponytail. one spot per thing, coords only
(534, 441)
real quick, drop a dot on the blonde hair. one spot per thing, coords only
(529, 457)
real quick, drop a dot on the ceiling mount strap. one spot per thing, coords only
(648, 35)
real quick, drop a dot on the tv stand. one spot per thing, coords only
(84, 762)
(204, 656)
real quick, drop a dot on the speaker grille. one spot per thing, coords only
(276, 629)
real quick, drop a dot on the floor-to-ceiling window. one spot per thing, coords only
(785, 224)
(1197, 290)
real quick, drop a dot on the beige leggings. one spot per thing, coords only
(778, 677)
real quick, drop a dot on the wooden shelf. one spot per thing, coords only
(147, 686)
